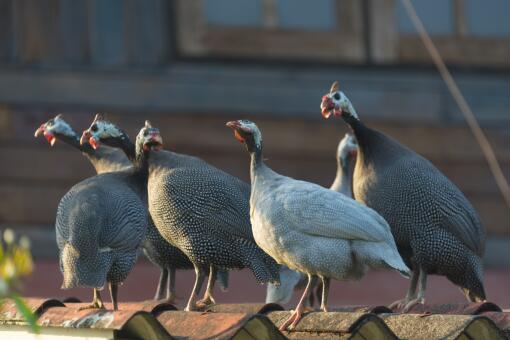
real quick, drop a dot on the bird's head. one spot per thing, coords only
(347, 149)
(149, 139)
(102, 131)
(247, 132)
(337, 104)
(55, 128)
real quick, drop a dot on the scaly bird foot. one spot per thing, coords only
(412, 303)
(190, 308)
(399, 304)
(292, 321)
(206, 302)
(93, 305)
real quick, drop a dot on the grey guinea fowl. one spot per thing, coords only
(292, 280)
(436, 229)
(100, 226)
(311, 229)
(198, 208)
(107, 159)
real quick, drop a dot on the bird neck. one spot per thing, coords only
(343, 178)
(256, 160)
(73, 141)
(364, 136)
(94, 156)
(141, 165)
(129, 149)
(374, 147)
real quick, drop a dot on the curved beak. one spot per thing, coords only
(40, 130)
(328, 107)
(236, 126)
(87, 137)
(153, 142)
(50, 137)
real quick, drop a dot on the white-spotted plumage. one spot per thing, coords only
(436, 229)
(312, 229)
(317, 231)
(290, 280)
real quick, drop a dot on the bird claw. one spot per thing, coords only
(205, 302)
(93, 305)
(399, 304)
(292, 321)
(412, 303)
(190, 308)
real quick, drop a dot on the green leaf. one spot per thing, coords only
(26, 312)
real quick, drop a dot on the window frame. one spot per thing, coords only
(196, 38)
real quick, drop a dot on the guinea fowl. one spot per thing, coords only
(436, 229)
(100, 226)
(162, 254)
(196, 207)
(292, 280)
(311, 229)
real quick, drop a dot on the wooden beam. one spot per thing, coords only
(255, 90)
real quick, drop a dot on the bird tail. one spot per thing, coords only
(223, 279)
(283, 293)
(471, 282)
(382, 254)
(264, 267)
(79, 270)
(399, 265)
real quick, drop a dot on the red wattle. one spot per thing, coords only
(94, 143)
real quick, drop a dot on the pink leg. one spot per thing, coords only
(296, 316)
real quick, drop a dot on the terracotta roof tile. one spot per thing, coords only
(160, 320)
(249, 308)
(207, 325)
(455, 308)
(9, 312)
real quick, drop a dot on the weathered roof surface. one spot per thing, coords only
(455, 308)
(157, 320)
(9, 312)
(250, 308)
(209, 325)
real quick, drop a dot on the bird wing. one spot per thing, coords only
(459, 218)
(127, 223)
(317, 211)
(213, 198)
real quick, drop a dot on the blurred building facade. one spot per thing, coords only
(191, 65)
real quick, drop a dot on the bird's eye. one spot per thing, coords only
(93, 128)
(336, 96)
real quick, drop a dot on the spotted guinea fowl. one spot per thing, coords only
(196, 207)
(162, 254)
(100, 227)
(436, 229)
(311, 229)
(291, 280)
